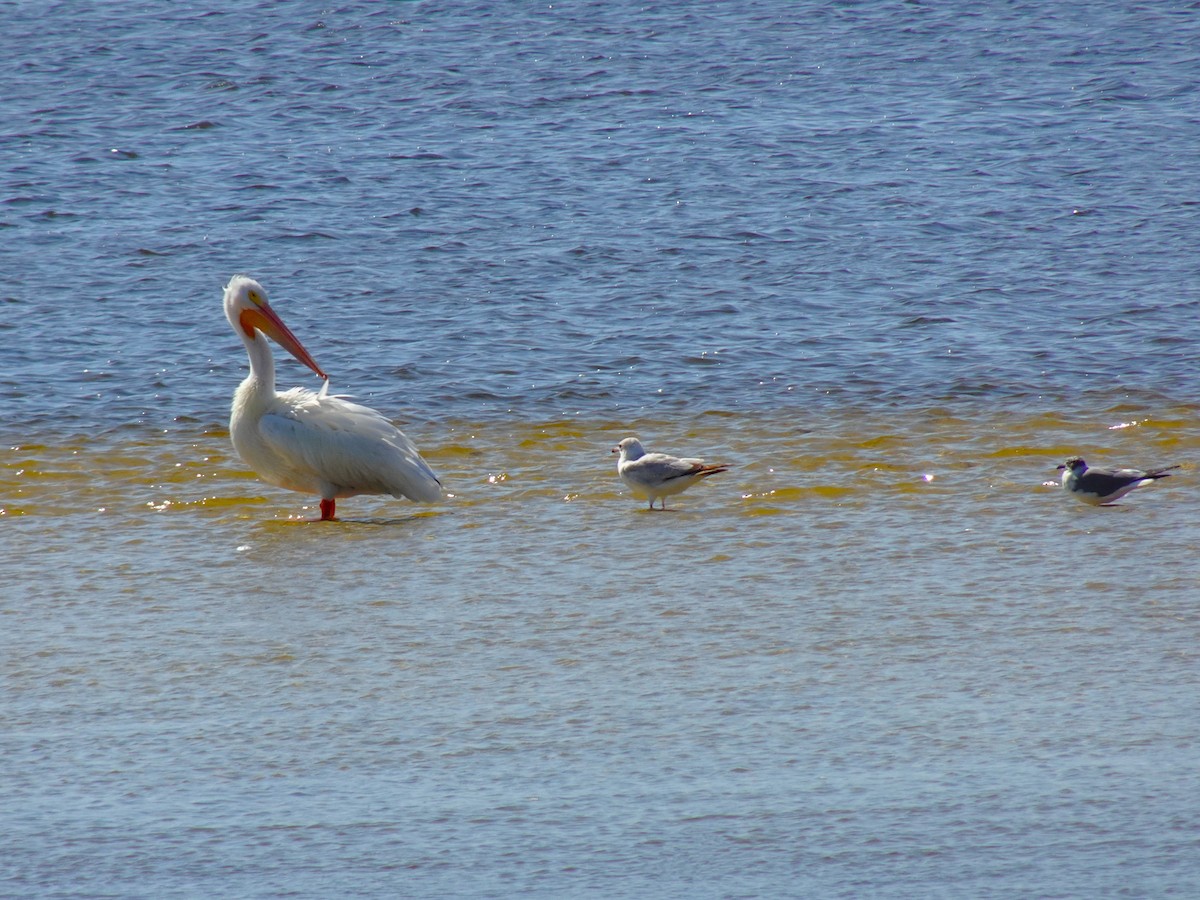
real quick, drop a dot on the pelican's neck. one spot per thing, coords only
(262, 363)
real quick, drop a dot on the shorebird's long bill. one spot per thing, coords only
(268, 322)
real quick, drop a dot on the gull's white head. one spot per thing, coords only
(630, 448)
(248, 312)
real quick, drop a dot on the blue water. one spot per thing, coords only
(895, 261)
(564, 208)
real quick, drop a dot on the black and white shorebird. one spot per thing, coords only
(1101, 487)
(656, 476)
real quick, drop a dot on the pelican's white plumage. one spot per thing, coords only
(308, 441)
(656, 476)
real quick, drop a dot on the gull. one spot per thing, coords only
(657, 475)
(1101, 487)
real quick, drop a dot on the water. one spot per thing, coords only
(894, 264)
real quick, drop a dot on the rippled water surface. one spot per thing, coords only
(893, 264)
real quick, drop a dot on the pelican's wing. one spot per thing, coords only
(347, 447)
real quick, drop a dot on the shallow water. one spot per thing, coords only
(877, 655)
(892, 265)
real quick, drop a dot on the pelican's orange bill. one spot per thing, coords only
(265, 319)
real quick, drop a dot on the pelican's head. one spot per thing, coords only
(1074, 464)
(630, 448)
(248, 312)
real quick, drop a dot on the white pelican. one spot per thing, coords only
(308, 441)
(655, 475)
(1102, 486)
